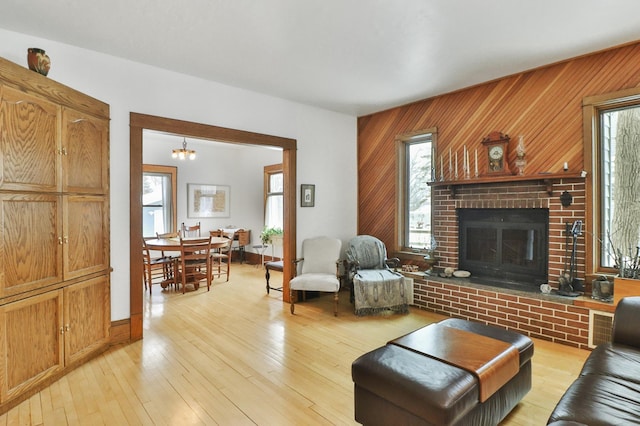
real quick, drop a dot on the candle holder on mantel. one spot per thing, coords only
(520, 153)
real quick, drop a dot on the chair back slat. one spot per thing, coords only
(191, 230)
(195, 261)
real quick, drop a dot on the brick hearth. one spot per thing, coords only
(547, 317)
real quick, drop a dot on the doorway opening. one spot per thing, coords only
(140, 122)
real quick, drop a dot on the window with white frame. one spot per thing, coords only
(274, 196)
(612, 153)
(158, 199)
(619, 143)
(415, 153)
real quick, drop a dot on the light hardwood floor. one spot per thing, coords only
(236, 356)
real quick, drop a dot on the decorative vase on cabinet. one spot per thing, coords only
(38, 61)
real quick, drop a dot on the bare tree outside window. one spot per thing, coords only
(418, 168)
(621, 184)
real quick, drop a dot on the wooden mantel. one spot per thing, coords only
(548, 178)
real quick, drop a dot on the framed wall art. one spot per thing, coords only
(307, 195)
(208, 200)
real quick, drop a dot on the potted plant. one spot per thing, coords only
(267, 234)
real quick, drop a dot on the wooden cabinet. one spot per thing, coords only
(54, 231)
(46, 238)
(44, 334)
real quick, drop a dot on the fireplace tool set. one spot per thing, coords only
(570, 285)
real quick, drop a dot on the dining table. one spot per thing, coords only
(173, 245)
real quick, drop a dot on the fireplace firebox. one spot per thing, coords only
(504, 247)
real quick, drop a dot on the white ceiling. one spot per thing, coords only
(350, 56)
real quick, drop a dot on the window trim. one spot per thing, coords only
(592, 106)
(269, 170)
(173, 172)
(401, 143)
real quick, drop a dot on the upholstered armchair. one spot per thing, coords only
(376, 288)
(320, 269)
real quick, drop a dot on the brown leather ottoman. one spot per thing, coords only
(403, 383)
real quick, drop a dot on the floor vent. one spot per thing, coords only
(600, 324)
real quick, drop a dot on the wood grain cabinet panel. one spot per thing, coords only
(86, 230)
(30, 242)
(85, 153)
(86, 320)
(31, 342)
(30, 142)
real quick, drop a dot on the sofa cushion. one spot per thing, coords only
(599, 400)
(617, 361)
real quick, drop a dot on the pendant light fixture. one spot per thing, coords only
(184, 153)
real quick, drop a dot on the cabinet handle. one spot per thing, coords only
(66, 239)
(61, 330)
(67, 327)
(60, 240)
(64, 151)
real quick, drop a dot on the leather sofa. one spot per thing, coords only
(607, 392)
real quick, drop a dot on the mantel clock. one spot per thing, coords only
(497, 145)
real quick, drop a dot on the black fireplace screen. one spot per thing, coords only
(505, 246)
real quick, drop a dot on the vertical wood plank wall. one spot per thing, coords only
(544, 105)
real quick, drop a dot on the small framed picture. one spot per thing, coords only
(307, 195)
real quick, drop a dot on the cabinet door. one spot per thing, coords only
(85, 146)
(30, 242)
(29, 142)
(87, 318)
(86, 235)
(31, 345)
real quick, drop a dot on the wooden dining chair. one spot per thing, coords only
(191, 231)
(195, 262)
(221, 257)
(166, 235)
(157, 270)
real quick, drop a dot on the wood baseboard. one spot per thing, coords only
(120, 332)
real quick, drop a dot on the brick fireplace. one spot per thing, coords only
(528, 194)
(548, 317)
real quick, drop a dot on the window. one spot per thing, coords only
(274, 196)
(613, 146)
(414, 201)
(158, 199)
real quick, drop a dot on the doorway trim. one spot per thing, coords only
(140, 122)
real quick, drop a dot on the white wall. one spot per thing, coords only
(239, 166)
(326, 140)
